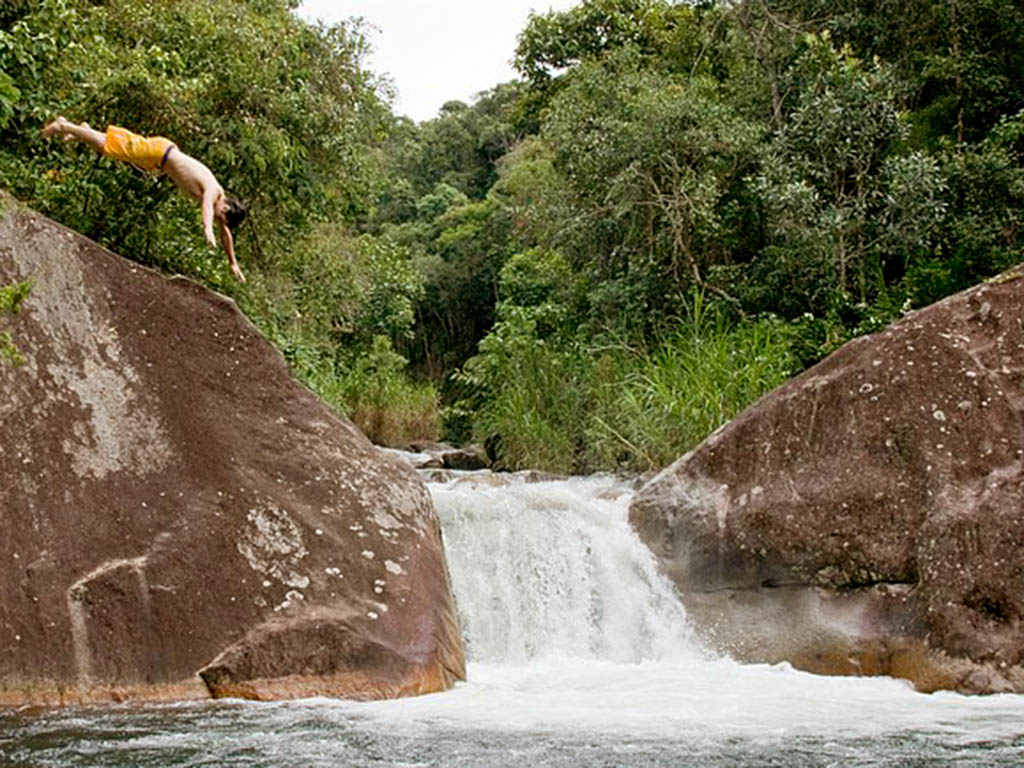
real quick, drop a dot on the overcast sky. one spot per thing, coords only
(439, 50)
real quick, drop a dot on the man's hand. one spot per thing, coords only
(229, 248)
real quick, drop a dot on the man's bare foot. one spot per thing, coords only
(55, 126)
(237, 271)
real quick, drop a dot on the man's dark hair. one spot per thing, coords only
(234, 212)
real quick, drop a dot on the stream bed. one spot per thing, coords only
(579, 655)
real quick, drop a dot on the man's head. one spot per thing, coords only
(233, 212)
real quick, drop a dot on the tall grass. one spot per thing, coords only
(536, 408)
(373, 389)
(615, 406)
(652, 404)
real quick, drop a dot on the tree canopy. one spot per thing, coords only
(676, 206)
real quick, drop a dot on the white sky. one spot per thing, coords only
(441, 50)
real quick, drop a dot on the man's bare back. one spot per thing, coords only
(190, 175)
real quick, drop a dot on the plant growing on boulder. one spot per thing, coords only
(11, 299)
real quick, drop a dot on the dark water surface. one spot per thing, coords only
(319, 733)
(580, 655)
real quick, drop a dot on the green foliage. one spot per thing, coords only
(679, 204)
(652, 404)
(960, 59)
(525, 390)
(823, 184)
(344, 289)
(11, 299)
(462, 253)
(654, 166)
(678, 38)
(982, 232)
(550, 400)
(558, 40)
(9, 95)
(438, 201)
(461, 146)
(375, 393)
(534, 278)
(334, 306)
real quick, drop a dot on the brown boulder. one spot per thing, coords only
(182, 518)
(868, 516)
(427, 454)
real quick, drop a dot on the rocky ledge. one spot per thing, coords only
(868, 516)
(181, 518)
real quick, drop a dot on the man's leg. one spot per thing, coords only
(77, 132)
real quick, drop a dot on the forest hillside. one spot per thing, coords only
(675, 208)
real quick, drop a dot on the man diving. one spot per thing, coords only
(159, 155)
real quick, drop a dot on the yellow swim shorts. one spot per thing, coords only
(148, 153)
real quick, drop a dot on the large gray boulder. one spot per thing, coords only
(868, 516)
(181, 518)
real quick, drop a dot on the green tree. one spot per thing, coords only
(960, 59)
(982, 230)
(655, 164)
(837, 191)
(460, 269)
(458, 149)
(559, 40)
(680, 38)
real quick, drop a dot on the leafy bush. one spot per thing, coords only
(334, 306)
(374, 392)
(527, 393)
(568, 405)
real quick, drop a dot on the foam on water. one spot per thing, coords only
(569, 625)
(579, 654)
(553, 569)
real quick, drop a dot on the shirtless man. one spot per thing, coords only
(157, 154)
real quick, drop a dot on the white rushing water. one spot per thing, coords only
(552, 571)
(579, 655)
(569, 625)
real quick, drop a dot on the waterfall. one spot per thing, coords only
(553, 569)
(580, 654)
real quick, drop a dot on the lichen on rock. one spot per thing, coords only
(866, 517)
(175, 502)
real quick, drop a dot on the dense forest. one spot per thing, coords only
(675, 207)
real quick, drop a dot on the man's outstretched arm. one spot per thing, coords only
(229, 248)
(209, 196)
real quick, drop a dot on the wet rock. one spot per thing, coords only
(537, 476)
(867, 517)
(429, 446)
(470, 458)
(181, 518)
(427, 454)
(428, 462)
